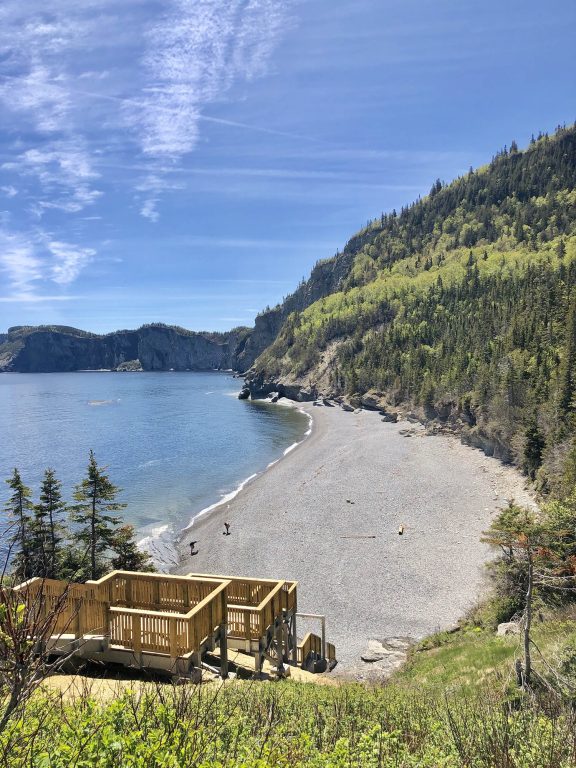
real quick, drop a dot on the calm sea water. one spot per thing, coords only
(174, 442)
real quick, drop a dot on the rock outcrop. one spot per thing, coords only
(150, 348)
(325, 278)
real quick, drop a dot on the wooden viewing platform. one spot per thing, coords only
(166, 623)
(261, 621)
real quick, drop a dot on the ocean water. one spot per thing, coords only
(174, 442)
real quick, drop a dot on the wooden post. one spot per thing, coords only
(224, 635)
(173, 639)
(278, 640)
(285, 641)
(136, 633)
(128, 591)
(106, 627)
(294, 639)
(259, 658)
(211, 626)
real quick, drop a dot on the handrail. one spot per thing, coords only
(153, 577)
(169, 614)
(269, 597)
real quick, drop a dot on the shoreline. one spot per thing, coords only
(327, 515)
(162, 540)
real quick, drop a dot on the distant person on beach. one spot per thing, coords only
(192, 545)
(227, 531)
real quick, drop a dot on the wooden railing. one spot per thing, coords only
(121, 606)
(159, 592)
(174, 634)
(75, 608)
(165, 614)
(254, 604)
(313, 644)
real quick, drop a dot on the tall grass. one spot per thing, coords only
(255, 725)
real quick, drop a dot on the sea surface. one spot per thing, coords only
(174, 442)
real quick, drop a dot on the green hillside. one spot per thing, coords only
(463, 305)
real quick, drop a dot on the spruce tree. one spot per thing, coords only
(19, 507)
(47, 527)
(96, 497)
(533, 448)
(128, 556)
(567, 386)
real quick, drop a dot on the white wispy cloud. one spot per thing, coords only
(32, 262)
(20, 263)
(194, 51)
(194, 54)
(68, 261)
(149, 210)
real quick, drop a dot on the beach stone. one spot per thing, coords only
(389, 417)
(381, 658)
(372, 400)
(508, 628)
(244, 393)
(346, 407)
(274, 397)
(374, 652)
(327, 402)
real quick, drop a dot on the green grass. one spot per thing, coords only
(475, 658)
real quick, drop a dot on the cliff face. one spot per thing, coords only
(156, 348)
(325, 278)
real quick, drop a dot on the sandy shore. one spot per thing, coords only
(314, 515)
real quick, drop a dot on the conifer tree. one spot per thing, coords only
(96, 497)
(568, 371)
(533, 448)
(47, 528)
(19, 507)
(128, 556)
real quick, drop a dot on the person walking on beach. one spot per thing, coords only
(192, 545)
(227, 531)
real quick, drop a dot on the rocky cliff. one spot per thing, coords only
(325, 278)
(151, 348)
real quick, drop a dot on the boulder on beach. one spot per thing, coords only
(373, 400)
(244, 393)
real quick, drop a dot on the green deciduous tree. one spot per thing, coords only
(537, 561)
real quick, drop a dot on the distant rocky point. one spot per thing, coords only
(156, 347)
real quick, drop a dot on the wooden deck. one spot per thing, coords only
(262, 618)
(165, 622)
(151, 620)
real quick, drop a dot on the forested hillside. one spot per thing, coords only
(462, 305)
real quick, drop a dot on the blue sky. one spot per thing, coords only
(188, 161)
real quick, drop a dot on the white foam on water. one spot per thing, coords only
(160, 542)
(224, 500)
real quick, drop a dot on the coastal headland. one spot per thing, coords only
(329, 514)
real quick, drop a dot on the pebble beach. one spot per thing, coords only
(329, 514)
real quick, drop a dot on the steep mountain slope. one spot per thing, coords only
(462, 306)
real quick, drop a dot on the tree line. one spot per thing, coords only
(74, 541)
(464, 302)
